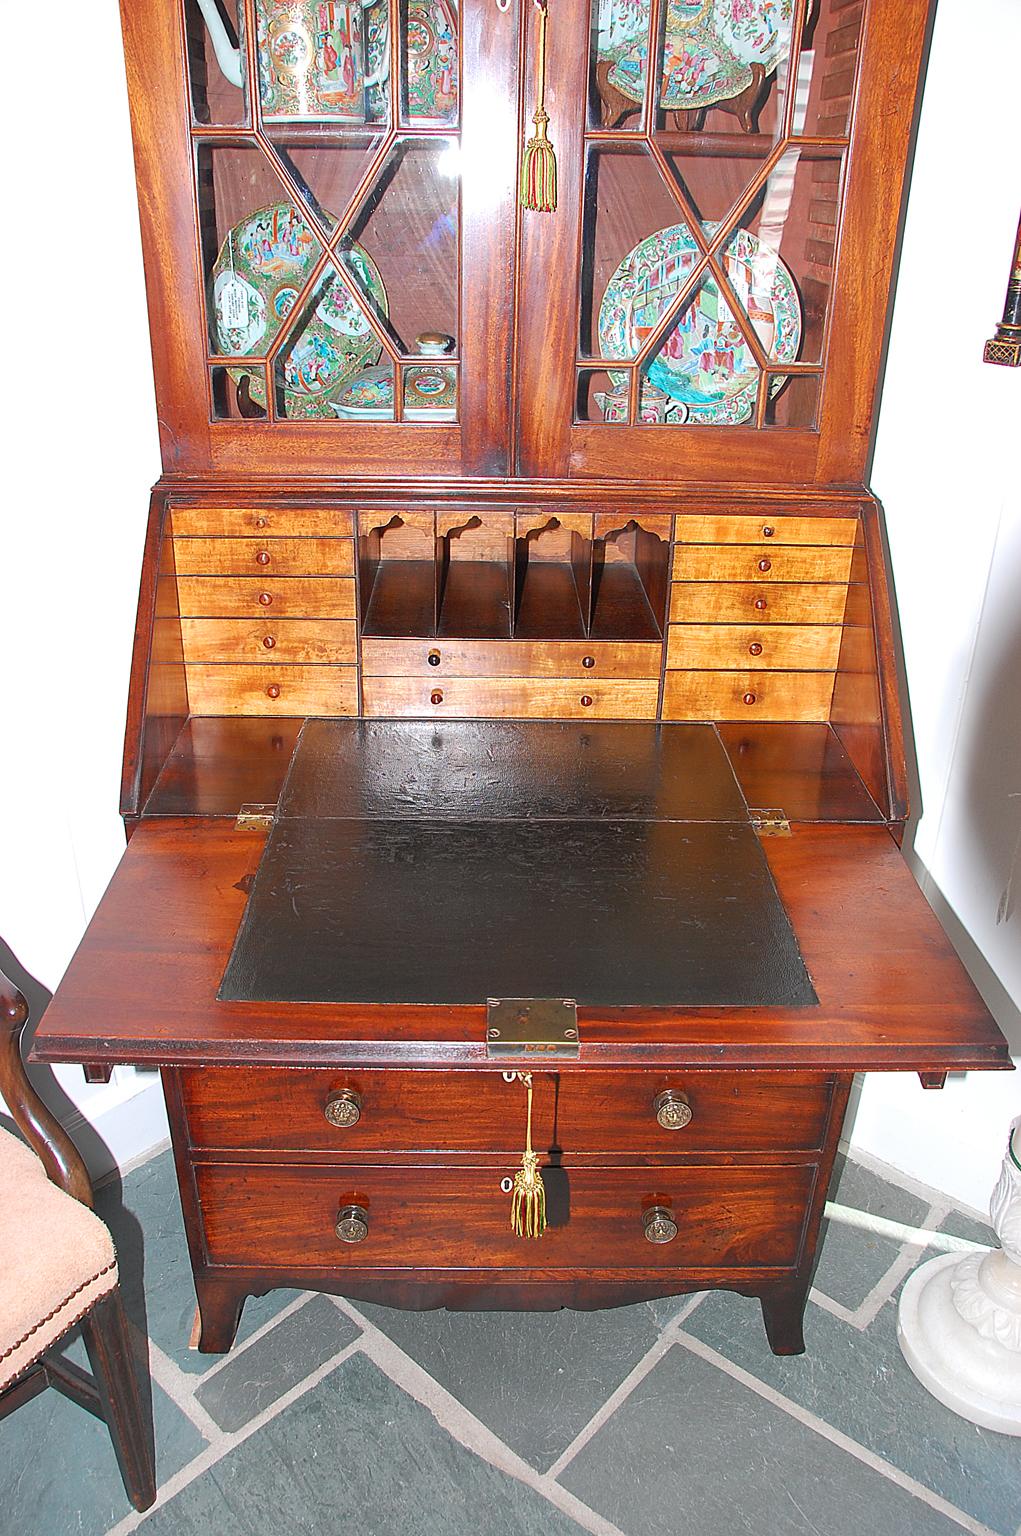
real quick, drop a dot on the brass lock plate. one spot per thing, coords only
(531, 1028)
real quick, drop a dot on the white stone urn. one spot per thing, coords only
(959, 1324)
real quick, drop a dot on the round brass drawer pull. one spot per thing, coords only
(260, 522)
(586, 700)
(269, 642)
(273, 691)
(672, 1109)
(768, 531)
(588, 661)
(265, 599)
(353, 1224)
(433, 658)
(436, 697)
(761, 605)
(748, 698)
(765, 565)
(659, 1224)
(755, 649)
(343, 1108)
(262, 558)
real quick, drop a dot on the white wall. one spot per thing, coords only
(81, 454)
(946, 470)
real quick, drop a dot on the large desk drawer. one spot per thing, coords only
(438, 1217)
(574, 1112)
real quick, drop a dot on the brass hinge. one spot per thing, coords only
(770, 823)
(254, 818)
(531, 1027)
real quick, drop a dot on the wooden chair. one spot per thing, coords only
(58, 1269)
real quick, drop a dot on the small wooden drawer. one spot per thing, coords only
(269, 557)
(575, 1112)
(437, 1217)
(263, 522)
(723, 528)
(811, 647)
(249, 640)
(725, 602)
(296, 597)
(747, 695)
(747, 562)
(270, 690)
(509, 658)
(512, 698)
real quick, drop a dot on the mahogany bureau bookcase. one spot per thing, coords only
(514, 747)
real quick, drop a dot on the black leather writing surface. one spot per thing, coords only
(496, 769)
(613, 913)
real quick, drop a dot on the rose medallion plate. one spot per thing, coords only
(704, 367)
(257, 277)
(709, 47)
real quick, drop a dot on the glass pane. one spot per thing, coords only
(827, 69)
(428, 89)
(788, 241)
(794, 402)
(723, 64)
(627, 201)
(215, 61)
(408, 226)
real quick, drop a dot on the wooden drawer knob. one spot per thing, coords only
(755, 649)
(262, 558)
(273, 691)
(433, 658)
(765, 565)
(343, 1109)
(265, 599)
(436, 697)
(748, 698)
(659, 1224)
(672, 1109)
(586, 699)
(761, 604)
(352, 1224)
(269, 642)
(768, 531)
(588, 661)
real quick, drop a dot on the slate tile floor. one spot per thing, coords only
(654, 1420)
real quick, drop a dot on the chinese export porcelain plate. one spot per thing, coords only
(709, 47)
(705, 364)
(257, 277)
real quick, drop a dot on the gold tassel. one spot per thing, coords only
(539, 162)
(528, 1198)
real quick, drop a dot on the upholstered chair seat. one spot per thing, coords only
(56, 1259)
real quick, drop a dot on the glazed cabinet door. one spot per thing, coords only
(327, 200)
(708, 301)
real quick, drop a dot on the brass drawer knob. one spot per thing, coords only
(273, 691)
(588, 661)
(433, 658)
(755, 649)
(353, 1224)
(768, 531)
(343, 1108)
(436, 697)
(269, 642)
(262, 558)
(761, 605)
(265, 599)
(748, 698)
(261, 522)
(765, 565)
(659, 1224)
(672, 1109)
(586, 700)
